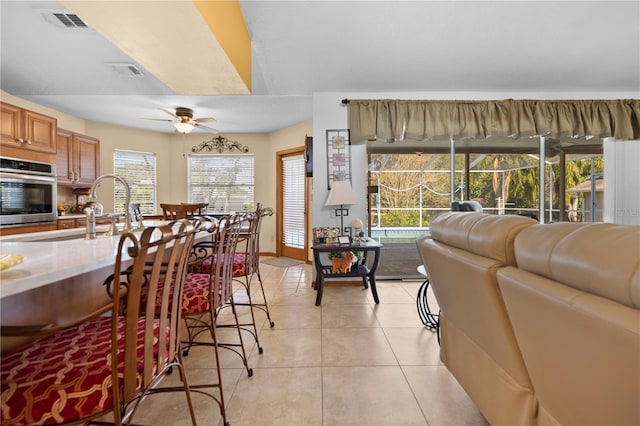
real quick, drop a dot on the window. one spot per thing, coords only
(223, 181)
(139, 170)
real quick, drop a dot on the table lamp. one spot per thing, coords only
(341, 194)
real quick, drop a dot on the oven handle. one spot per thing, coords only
(21, 176)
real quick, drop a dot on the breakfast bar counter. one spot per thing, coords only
(46, 262)
(59, 279)
(53, 256)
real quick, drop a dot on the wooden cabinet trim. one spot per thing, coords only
(28, 229)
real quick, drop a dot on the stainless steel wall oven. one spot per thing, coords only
(28, 192)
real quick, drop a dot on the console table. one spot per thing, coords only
(359, 269)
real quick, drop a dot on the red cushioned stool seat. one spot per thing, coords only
(62, 376)
(239, 265)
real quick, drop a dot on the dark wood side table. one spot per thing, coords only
(360, 269)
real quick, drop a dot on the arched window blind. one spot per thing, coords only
(293, 181)
(139, 170)
(224, 181)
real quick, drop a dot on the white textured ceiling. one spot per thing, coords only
(302, 47)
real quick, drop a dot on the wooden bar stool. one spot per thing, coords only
(182, 210)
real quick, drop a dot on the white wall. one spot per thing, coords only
(622, 182)
(330, 113)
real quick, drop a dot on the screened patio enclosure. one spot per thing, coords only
(407, 187)
(504, 181)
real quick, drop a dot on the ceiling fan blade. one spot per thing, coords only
(207, 127)
(205, 120)
(168, 111)
(160, 119)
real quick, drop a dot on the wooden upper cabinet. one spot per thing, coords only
(64, 159)
(11, 122)
(78, 159)
(88, 159)
(28, 130)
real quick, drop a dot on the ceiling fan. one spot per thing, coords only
(183, 120)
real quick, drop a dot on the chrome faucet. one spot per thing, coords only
(91, 214)
(90, 233)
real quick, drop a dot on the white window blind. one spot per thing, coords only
(139, 170)
(224, 181)
(293, 180)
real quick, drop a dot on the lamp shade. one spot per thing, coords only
(184, 128)
(341, 194)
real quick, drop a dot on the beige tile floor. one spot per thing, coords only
(347, 362)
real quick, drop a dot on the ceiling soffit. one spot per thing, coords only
(187, 45)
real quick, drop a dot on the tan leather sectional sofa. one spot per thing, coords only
(539, 323)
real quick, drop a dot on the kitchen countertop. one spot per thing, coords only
(48, 262)
(60, 233)
(72, 216)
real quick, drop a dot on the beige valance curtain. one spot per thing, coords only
(424, 120)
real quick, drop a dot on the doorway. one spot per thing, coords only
(291, 200)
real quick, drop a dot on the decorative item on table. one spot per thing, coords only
(341, 194)
(358, 233)
(341, 261)
(325, 235)
(319, 236)
(60, 209)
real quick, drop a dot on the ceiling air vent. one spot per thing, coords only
(70, 20)
(62, 18)
(126, 69)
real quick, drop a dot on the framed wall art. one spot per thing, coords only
(338, 156)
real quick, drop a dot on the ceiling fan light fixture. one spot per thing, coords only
(183, 127)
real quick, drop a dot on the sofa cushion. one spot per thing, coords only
(601, 259)
(480, 233)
